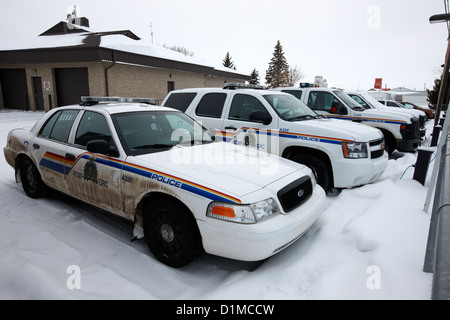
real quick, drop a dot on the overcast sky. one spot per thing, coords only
(348, 42)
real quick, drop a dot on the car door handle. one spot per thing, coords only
(70, 156)
(231, 128)
(36, 146)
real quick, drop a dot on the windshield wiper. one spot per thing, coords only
(304, 117)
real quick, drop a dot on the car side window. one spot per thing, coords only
(359, 100)
(211, 105)
(59, 125)
(243, 106)
(180, 101)
(392, 104)
(320, 100)
(93, 126)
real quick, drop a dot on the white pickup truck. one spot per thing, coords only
(401, 131)
(342, 155)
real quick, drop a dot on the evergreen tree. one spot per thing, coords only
(227, 62)
(278, 73)
(254, 77)
(433, 95)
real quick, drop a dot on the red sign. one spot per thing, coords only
(378, 83)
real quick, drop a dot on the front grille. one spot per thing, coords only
(377, 154)
(374, 143)
(412, 131)
(422, 121)
(374, 154)
(294, 194)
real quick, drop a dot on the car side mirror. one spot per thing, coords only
(212, 133)
(338, 108)
(260, 116)
(102, 147)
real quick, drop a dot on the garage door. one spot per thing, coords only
(14, 88)
(71, 84)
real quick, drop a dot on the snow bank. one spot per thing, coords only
(369, 243)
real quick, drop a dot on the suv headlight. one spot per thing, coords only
(355, 150)
(247, 214)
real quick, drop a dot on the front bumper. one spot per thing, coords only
(254, 242)
(408, 145)
(349, 173)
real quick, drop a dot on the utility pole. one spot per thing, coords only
(151, 31)
(444, 79)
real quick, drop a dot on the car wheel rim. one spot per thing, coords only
(167, 233)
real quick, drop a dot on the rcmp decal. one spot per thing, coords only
(64, 165)
(360, 118)
(250, 135)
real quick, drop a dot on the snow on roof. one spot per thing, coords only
(67, 40)
(108, 40)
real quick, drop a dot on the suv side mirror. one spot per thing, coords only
(260, 116)
(338, 108)
(102, 147)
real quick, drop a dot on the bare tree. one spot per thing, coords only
(180, 49)
(295, 75)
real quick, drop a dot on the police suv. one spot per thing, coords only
(341, 155)
(161, 170)
(401, 131)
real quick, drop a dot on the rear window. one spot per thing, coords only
(211, 105)
(59, 125)
(295, 93)
(180, 101)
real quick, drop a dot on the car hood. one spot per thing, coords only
(334, 129)
(224, 167)
(412, 112)
(387, 114)
(397, 112)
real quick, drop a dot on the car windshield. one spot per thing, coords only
(155, 131)
(349, 101)
(290, 108)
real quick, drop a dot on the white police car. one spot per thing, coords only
(161, 170)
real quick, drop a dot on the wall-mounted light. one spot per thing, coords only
(171, 75)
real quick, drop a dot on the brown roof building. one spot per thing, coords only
(70, 60)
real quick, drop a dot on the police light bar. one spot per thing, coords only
(232, 86)
(95, 100)
(308, 85)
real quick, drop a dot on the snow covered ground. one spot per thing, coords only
(369, 243)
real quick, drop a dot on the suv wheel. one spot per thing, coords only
(319, 168)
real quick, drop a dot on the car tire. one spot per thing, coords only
(319, 167)
(31, 179)
(171, 233)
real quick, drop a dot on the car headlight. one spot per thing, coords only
(355, 150)
(247, 214)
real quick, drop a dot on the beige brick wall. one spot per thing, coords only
(123, 80)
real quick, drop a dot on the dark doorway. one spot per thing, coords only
(71, 84)
(38, 95)
(14, 88)
(170, 86)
